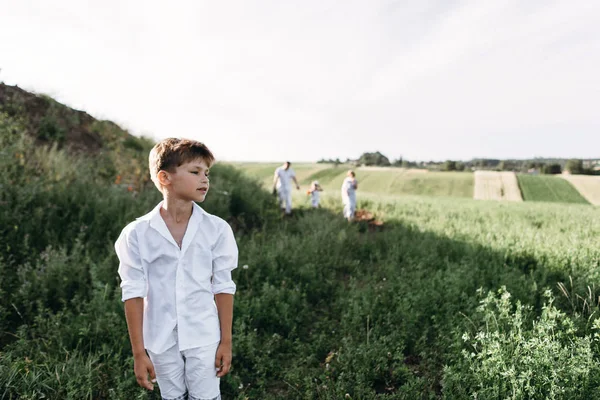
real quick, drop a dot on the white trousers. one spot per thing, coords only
(285, 200)
(190, 372)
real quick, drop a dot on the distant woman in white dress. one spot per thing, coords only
(349, 195)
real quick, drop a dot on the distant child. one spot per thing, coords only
(349, 187)
(314, 190)
(175, 266)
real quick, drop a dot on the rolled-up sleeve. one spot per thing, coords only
(131, 271)
(225, 260)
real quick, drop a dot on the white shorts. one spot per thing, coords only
(189, 371)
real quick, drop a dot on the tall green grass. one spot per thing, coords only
(549, 188)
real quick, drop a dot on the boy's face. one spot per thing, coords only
(190, 181)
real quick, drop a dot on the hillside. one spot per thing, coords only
(48, 121)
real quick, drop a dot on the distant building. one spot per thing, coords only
(591, 164)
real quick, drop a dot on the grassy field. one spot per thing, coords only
(451, 299)
(549, 189)
(373, 182)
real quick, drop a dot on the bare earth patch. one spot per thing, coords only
(494, 185)
(588, 186)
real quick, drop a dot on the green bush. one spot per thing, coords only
(513, 354)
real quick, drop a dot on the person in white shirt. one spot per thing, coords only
(175, 264)
(314, 193)
(282, 183)
(349, 187)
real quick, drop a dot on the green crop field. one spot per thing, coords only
(548, 188)
(384, 182)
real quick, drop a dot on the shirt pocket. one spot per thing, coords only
(199, 266)
(155, 251)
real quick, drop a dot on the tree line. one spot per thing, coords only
(536, 165)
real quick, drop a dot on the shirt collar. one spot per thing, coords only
(158, 223)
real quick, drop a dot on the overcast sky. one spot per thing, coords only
(302, 80)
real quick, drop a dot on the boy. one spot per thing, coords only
(175, 267)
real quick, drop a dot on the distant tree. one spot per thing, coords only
(535, 165)
(374, 159)
(556, 169)
(552, 169)
(575, 166)
(329, 161)
(460, 166)
(510, 165)
(501, 166)
(449, 165)
(337, 162)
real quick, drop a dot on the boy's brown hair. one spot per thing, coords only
(170, 153)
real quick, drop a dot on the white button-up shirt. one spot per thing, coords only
(284, 183)
(178, 285)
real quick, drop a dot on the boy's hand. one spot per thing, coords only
(142, 366)
(223, 359)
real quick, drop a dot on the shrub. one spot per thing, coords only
(511, 354)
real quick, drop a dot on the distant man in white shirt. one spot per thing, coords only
(282, 182)
(175, 266)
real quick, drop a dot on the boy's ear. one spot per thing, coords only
(163, 178)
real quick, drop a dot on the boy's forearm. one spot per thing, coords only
(134, 313)
(225, 309)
